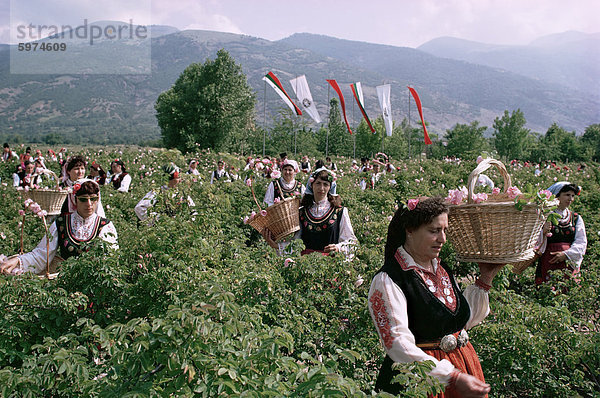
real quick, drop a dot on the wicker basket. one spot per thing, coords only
(282, 219)
(494, 231)
(50, 200)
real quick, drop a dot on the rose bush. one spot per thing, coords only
(198, 305)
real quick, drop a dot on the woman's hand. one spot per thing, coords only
(488, 272)
(266, 233)
(9, 265)
(469, 386)
(557, 257)
(331, 248)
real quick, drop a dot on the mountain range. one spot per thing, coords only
(458, 82)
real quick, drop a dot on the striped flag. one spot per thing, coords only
(383, 92)
(358, 96)
(300, 86)
(418, 102)
(342, 102)
(276, 84)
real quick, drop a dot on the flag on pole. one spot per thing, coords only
(418, 102)
(358, 96)
(383, 92)
(300, 86)
(276, 84)
(339, 93)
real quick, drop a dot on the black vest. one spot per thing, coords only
(280, 192)
(565, 230)
(428, 318)
(69, 246)
(117, 181)
(320, 232)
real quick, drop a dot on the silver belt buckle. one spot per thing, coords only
(450, 342)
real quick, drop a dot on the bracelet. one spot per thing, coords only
(482, 285)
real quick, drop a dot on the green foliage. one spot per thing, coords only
(510, 135)
(466, 141)
(198, 305)
(209, 106)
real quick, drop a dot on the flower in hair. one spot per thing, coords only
(76, 188)
(412, 203)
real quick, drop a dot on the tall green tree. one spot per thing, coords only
(466, 140)
(210, 105)
(561, 144)
(510, 135)
(591, 142)
(339, 142)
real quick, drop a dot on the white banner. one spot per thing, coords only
(300, 86)
(383, 92)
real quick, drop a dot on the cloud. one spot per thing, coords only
(219, 23)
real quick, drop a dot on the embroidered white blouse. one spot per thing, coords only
(577, 250)
(270, 194)
(35, 260)
(403, 347)
(347, 240)
(125, 183)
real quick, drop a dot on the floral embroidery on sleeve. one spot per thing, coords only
(382, 320)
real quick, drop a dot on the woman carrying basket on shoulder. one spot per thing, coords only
(68, 234)
(286, 185)
(325, 225)
(562, 245)
(417, 307)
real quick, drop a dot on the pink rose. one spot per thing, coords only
(545, 193)
(288, 262)
(480, 197)
(513, 192)
(249, 182)
(21, 212)
(412, 203)
(263, 213)
(276, 200)
(246, 219)
(276, 174)
(495, 191)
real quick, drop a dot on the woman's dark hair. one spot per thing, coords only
(568, 187)
(75, 161)
(319, 164)
(120, 163)
(88, 188)
(308, 199)
(426, 210)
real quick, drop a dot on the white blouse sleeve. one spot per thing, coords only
(479, 303)
(141, 209)
(269, 195)
(347, 240)
(35, 260)
(578, 247)
(109, 235)
(125, 183)
(388, 309)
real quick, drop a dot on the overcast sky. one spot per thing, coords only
(407, 23)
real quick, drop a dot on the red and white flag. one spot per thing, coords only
(342, 102)
(358, 96)
(300, 86)
(276, 84)
(418, 101)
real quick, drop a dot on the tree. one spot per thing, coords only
(591, 141)
(466, 140)
(561, 145)
(210, 105)
(339, 141)
(510, 135)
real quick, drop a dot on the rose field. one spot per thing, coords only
(197, 304)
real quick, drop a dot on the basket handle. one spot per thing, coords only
(45, 172)
(483, 166)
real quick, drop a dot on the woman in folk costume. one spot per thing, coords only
(120, 179)
(151, 198)
(285, 185)
(325, 225)
(562, 246)
(69, 233)
(193, 168)
(220, 174)
(417, 307)
(74, 170)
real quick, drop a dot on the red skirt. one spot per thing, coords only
(464, 359)
(544, 266)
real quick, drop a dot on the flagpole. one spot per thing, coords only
(328, 123)
(296, 91)
(409, 128)
(353, 135)
(264, 118)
